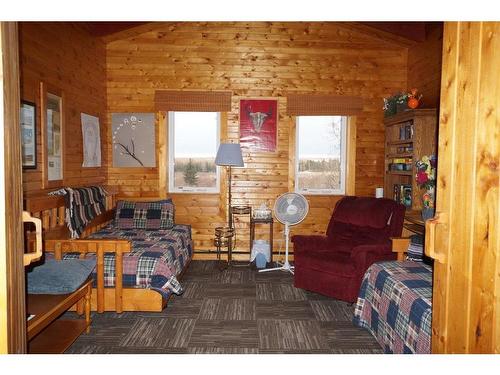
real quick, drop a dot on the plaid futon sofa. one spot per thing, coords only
(161, 249)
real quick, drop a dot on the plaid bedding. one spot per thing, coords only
(156, 259)
(394, 304)
(82, 206)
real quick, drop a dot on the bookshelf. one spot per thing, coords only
(409, 135)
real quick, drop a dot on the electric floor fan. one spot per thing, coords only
(289, 209)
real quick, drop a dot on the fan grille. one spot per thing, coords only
(291, 208)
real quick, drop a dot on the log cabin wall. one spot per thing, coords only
(66, 57)
(257, 59)
(424, 65)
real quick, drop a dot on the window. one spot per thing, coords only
(193, 138)
(321, 155)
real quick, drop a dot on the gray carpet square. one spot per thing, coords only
(279, 292)
(224, 334)
(80, 348)
(235, 275)
(227, 309)
(104, 332)
(357, 351)
(311, 296)
(274, 277)
(291, 335)
(159, 333)
(213, 350)
(293, 310)
(177, 307)
(343, 335)
(294, 351)
(229, 291)
(194, 289)
(332, 310)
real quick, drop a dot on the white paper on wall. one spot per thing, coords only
(91, 141)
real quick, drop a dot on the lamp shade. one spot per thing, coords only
(229, 154)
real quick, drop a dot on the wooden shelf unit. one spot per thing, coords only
(47, 333)
(421, 141)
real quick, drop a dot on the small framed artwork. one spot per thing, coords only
(133, 139)
(259, 124)
(27, 120)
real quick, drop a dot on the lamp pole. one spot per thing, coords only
(230, 218)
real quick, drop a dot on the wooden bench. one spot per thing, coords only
(46, 332)
(57, 240)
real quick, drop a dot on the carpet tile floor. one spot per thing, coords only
(234, 311)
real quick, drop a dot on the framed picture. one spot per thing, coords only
(259, 124)
(28, 134)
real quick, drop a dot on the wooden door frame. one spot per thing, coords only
(463, 238)
(12, 285)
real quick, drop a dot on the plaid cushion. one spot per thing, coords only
(145, 215)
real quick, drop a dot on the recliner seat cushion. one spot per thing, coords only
(337, 263)
(59, 276)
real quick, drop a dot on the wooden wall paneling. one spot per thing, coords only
(63, 55)
(255, 59)
(424, 66)
(12, 286)
(466, 308)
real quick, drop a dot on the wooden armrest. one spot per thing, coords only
(31, 257)
(98, 246)
(400, 246)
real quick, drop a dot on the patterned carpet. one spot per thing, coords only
(237, 310)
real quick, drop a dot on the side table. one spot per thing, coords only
(269, 221)
(240, 210)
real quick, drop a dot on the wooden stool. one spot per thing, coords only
(224, 238)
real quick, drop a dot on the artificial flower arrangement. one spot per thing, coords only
(426, 178)
(413, 99)
(410, 99)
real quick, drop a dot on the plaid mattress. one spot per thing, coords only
(156, 259)
(394, 304)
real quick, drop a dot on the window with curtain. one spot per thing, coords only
(321, 154)
(193, 139)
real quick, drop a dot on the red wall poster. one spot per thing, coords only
(258, 124)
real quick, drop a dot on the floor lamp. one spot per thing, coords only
(229, 155)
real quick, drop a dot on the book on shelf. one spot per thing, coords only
(402, 193)
(394, 167)
(406, 131)
(404, 149)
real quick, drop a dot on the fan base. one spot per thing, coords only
(284, 267)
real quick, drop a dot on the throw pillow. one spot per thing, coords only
(145, 215)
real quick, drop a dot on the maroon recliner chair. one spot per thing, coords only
(358, 235)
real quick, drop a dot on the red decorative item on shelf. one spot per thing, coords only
(414, 99)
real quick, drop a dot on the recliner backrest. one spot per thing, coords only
(366, 218)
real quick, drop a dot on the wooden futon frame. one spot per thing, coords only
(57, 239)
